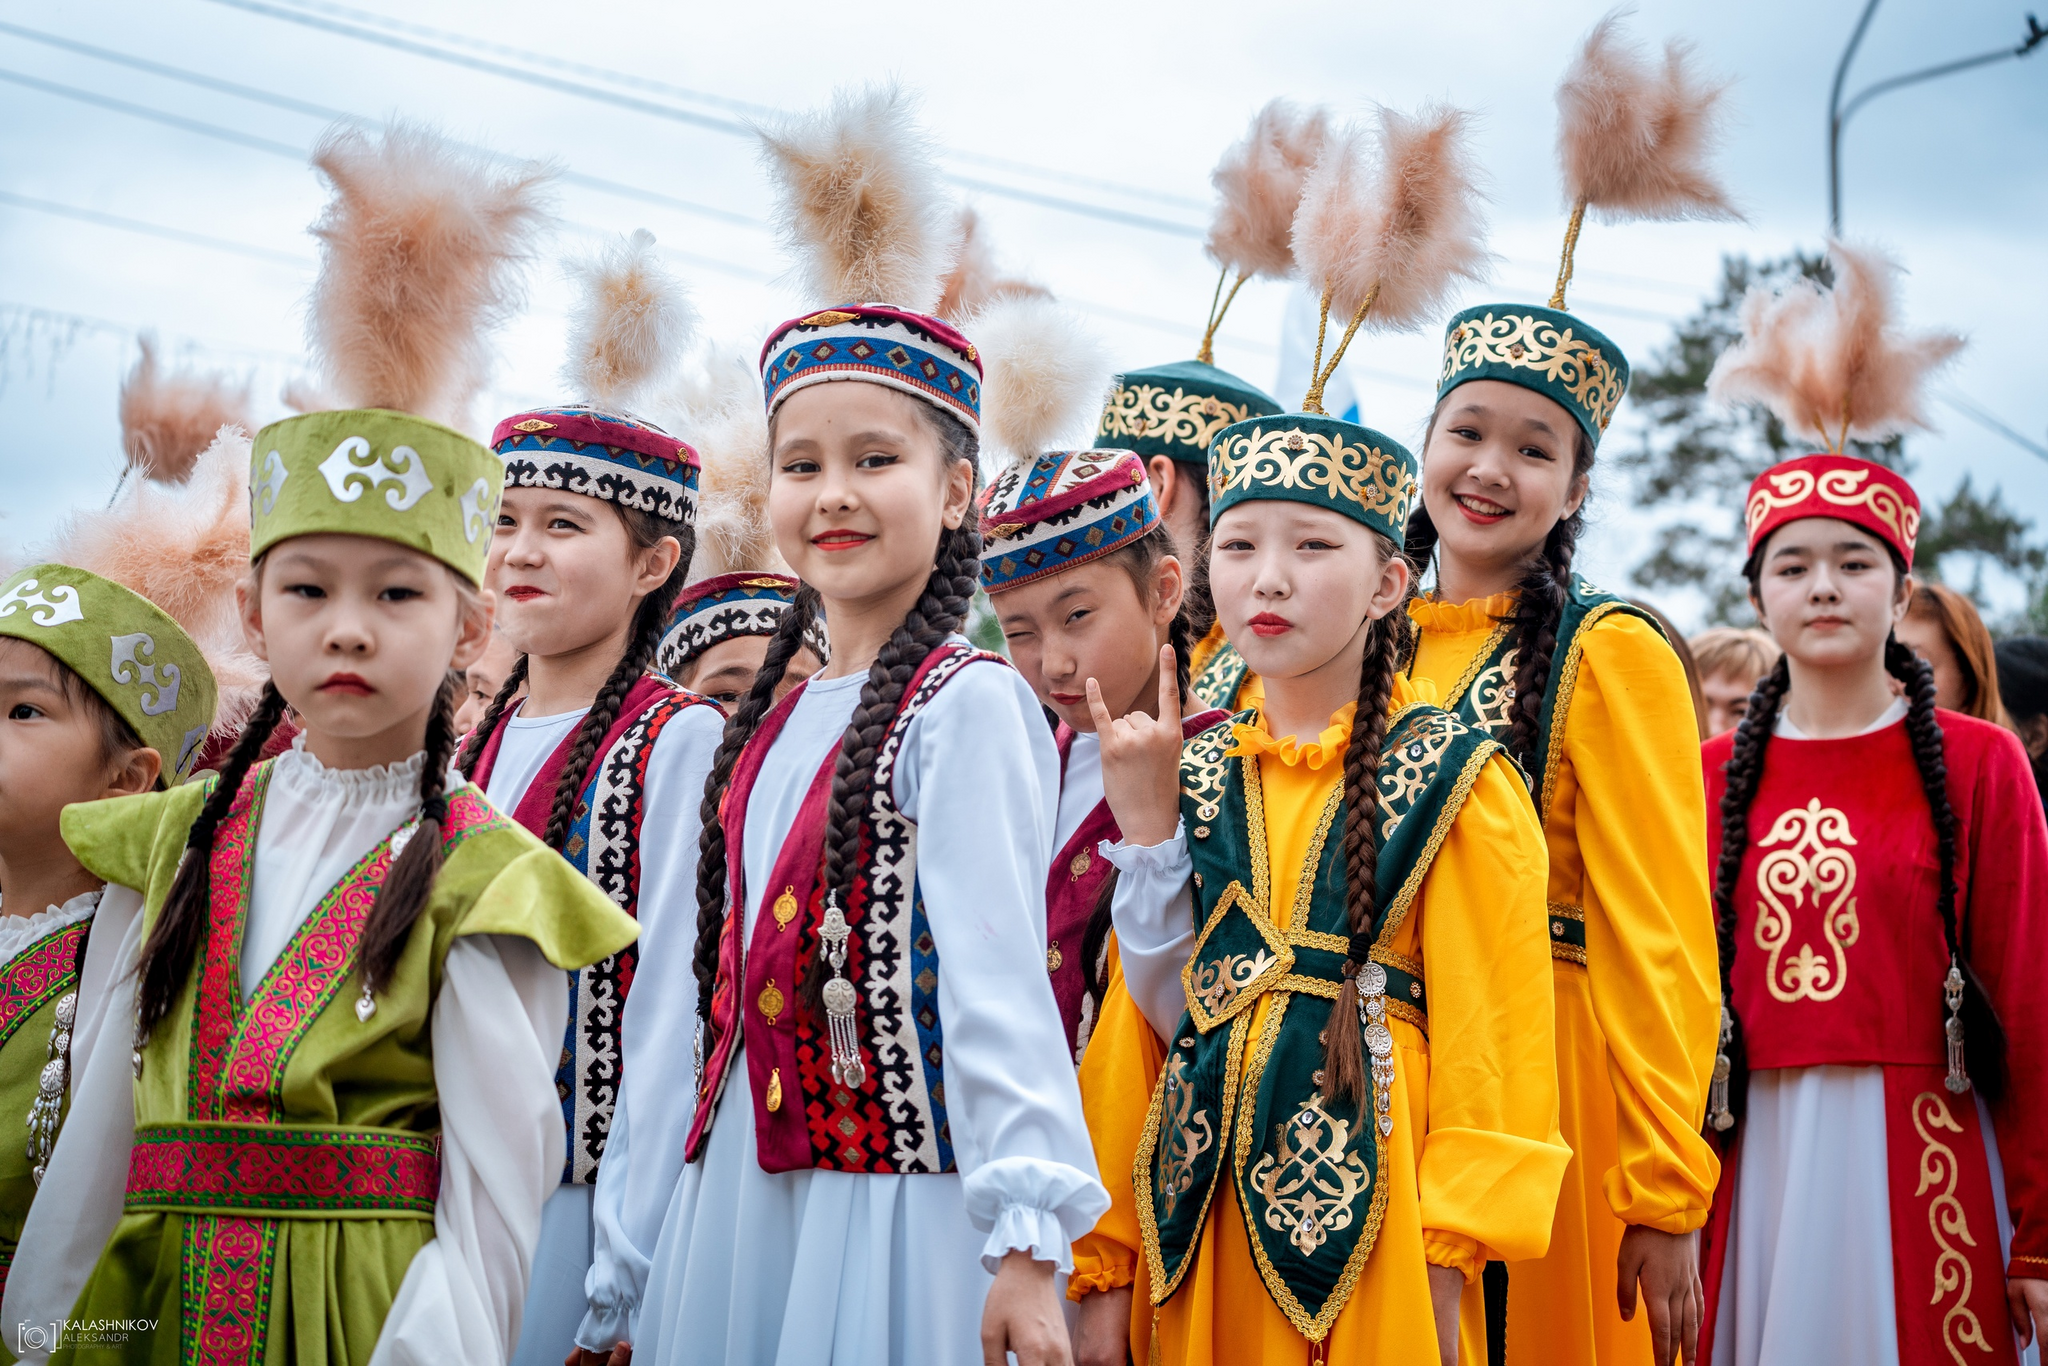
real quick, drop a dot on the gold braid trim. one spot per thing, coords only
(1148, 1144)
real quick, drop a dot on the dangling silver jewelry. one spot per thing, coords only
(366, 1004)
(1718, 1113)
(1379, 1042)
(1958, 1080)
(50, 1087)
(847, 1068)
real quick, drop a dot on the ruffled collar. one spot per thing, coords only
(308, 778)
(1432, 613)
(1327, 748)
(17, 932)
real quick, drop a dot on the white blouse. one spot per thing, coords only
(812, 1266)
(497, 1029)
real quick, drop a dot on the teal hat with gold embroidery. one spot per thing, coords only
(1545, 350)
(422, 243)
(1317, 459)
(1177, 410)
(372, 472)
(122, 646)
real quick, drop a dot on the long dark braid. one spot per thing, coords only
(649, 620)
(410, 879)
(1983, 1034)
(739, 728)
(1532, 630)
(1344, 1054)
(939, 611)
(1743, 771)
(181, 925)
(473, 748)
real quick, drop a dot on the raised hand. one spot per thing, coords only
(1141, 760)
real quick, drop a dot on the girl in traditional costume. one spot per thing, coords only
(592, 544)
(1357, 1105)
(1879, 886)
(101, 695)
(887, 1115)
(334, 1129)
(1587, 694)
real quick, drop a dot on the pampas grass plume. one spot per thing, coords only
(633, 326)
(859, 202)
(1044, 376)
(168, 419)
(974, 282)
(1259, 181)
(1633, 136)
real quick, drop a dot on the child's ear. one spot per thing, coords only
(959, 494)
(1169, 588)
(473, 633)
(249, 607)
(138, 773)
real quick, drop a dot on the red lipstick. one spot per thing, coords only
(839, 539)
(354, 685)
(524, 592)
(1479, 515)
(1268, 625)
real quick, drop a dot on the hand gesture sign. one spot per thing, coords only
(1141, 760)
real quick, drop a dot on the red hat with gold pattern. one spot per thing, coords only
(1861, 492)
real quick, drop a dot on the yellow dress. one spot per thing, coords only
(1636, 1022)
(1475, 1158)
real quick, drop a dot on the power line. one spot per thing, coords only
(1990, 422)
(731, 127)
(136, 225)
(211, 130)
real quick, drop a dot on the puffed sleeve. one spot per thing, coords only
(497, 1028)
(980, 776)
(79, 1202)
(2005, 924)
(1153, 909)
(1117, 1076)
(1639, 822)
(1493, 1158)
(643, 1154)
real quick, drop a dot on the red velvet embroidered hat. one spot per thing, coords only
(1833, 364)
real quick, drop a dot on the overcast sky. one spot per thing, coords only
(1118, 109)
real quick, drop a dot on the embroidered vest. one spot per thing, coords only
(1221, 676)
(603, 844)
(1073, 887)
(38, 1004)
(1307, 1169)
(1483, 698)
(894, 1119)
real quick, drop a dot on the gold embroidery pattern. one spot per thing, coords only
(1201, 768)
(1493, 696)
(1526, 342)
(1218, 984)
(1408, 767)
(1218, 988)
(1311, 1185)
(1812, 855)
(1185, 1133)
(1945, 1216)
(1136, 410)
(1315, 463)
(1844, 488)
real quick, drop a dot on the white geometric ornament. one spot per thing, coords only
(131, 667)
(58, 606)
(349, 481)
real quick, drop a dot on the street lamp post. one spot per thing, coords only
(1838, 113)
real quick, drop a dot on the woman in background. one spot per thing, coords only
(1943, 628)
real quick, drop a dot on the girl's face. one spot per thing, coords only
(1827, 592)
(1498, 474)
(359, 632)
(52, 753)
(859, 490)
(1091, 622)
(1296, 584)
(566, 574)
(1924, 636)
(725, 672)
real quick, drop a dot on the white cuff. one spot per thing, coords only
(605, 1327)
(1032, 1204)
(1153, 910)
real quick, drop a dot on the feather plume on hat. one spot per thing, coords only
(184, 547)
(1633, 137)
(1045, 376)
(1259, 183)
(718, 402)
(974, 282)
(633, 326)
(858, 201)
(1387, 225)
(423, 245)
(1834, 363)
(168, 419)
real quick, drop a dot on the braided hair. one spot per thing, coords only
(644, 530)
(1344, 1055)
(939, 611)
(410, 879)
(1983, 1035)
(1539, 602)
(182, 924)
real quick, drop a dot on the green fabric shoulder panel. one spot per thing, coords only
(535, 894)
(135, 841)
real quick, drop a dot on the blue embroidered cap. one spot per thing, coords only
(881, 344)
(1062, 509)
(599, 454)
(719, 609)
